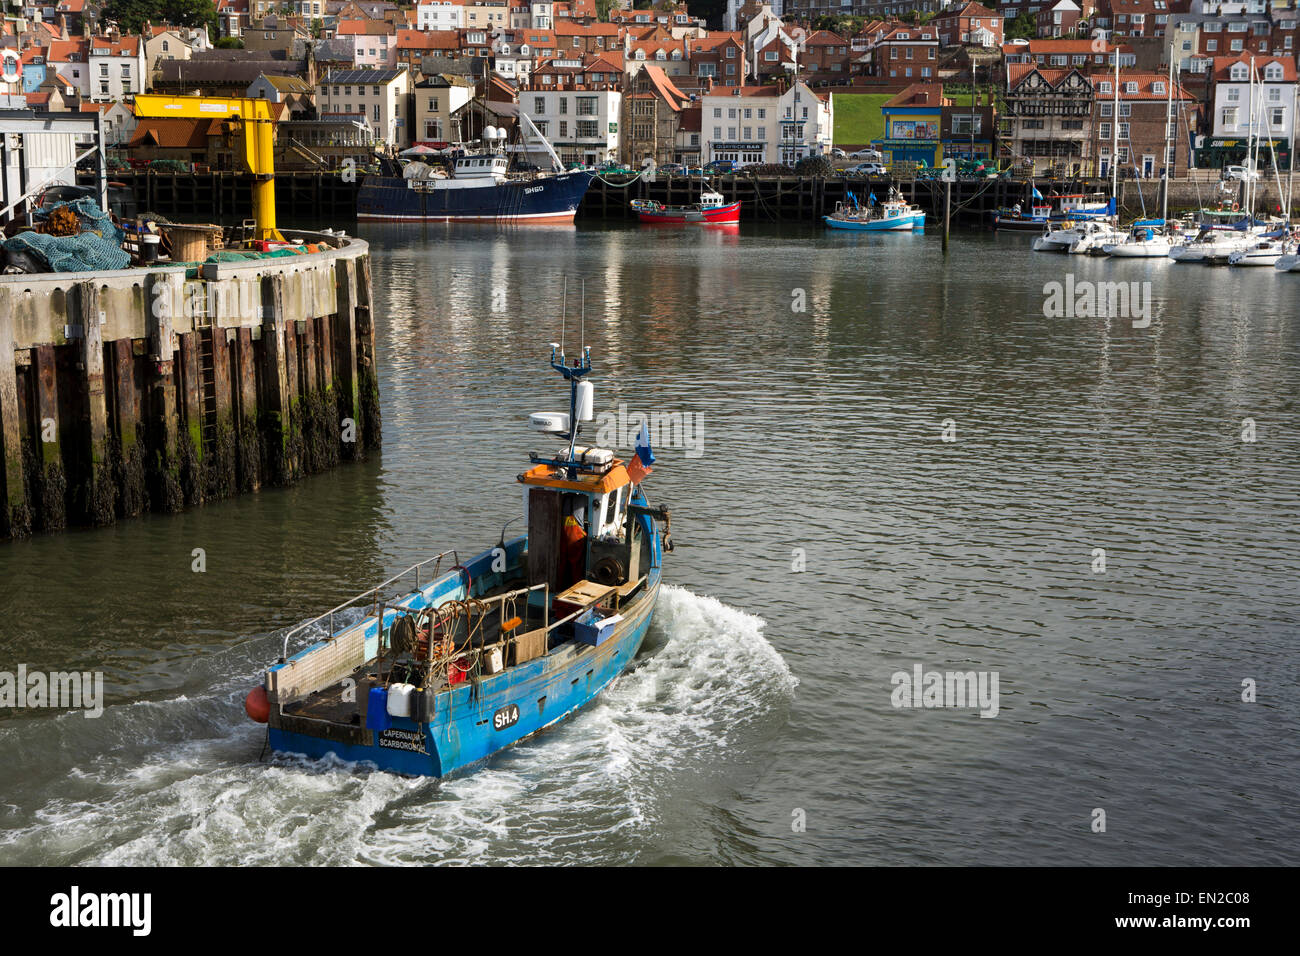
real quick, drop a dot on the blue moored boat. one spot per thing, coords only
(489, 651)
(893, 215)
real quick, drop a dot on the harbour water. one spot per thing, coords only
(828, 537)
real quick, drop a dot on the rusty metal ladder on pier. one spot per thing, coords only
(208, 382)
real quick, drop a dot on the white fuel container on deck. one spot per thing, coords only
(399, 700)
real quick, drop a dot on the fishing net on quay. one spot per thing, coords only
(95, 246)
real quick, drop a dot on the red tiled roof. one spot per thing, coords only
(966, 10)
(920, 94)
(175, 133)
(1146, 82)
(1222, 64)
(1018, 71)
(127, 46)
(428, 40)
(568, 28)
(770, 90)
(674, 97)
(714, 40)
(825, 38)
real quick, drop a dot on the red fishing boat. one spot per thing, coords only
(711, 208)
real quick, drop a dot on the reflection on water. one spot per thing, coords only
(822, 366)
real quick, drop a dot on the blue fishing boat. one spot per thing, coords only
(451, 661)
(481, 188)
(893, 215)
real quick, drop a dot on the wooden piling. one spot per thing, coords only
(134, 391)
(15, 517)
(97, 492)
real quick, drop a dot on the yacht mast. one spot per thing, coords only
(1114, 140)
(1290, 175)
(1250, 147)
(1168, 163)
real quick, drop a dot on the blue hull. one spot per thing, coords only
(552, 199)
(896, 224)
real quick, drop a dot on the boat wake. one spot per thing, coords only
(178, 782)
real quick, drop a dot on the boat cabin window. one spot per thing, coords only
(610, 508)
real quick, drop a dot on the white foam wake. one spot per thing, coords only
(593, 789)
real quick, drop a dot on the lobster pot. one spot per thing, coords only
(192, 242)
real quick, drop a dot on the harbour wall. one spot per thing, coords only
(329, 196)
(150, 390)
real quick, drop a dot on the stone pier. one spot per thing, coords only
(157, 390)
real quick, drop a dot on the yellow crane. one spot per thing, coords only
(251, 121)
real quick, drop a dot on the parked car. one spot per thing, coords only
(719, 166)
(524, 167)
(872, 154)
(838, 153)
(867, 169)
(672, 169)
(1240, 173)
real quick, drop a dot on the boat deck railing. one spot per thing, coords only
(471, 656)
(372, 593)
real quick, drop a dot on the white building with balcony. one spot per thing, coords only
(582, 125)
(749, 125)
(378, 96)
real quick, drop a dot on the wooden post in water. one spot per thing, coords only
(947, 212)
(16, 519)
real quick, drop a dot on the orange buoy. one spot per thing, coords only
(256, 704)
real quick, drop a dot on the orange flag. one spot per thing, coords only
(637, 470)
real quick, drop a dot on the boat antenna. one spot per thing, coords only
(582, 328)
(564, 301)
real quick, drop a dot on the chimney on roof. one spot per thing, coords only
(63, 26)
